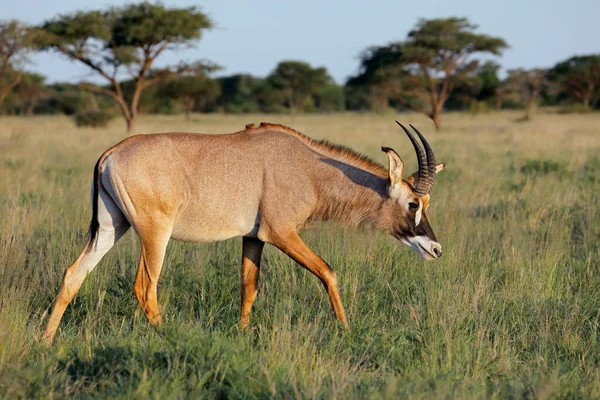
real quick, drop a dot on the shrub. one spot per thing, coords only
(500, 209)
(512, 104)
(93, 119)
(590, 173)
(542, 167)
(574, 109)
(479, 107)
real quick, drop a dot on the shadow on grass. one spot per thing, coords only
(197, 364)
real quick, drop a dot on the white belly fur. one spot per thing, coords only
(204, 227)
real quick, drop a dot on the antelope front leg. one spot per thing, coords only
(251, 253)
(292, 245)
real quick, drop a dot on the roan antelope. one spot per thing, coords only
(263, 183)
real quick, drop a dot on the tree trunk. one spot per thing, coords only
(94, 104)
(3, 95)
(130, 124)
(30, 108)
(126, 113)
(188, 106)
(498, 102)
(128, 116)
(4, 92)
(435, 116)
(587, 96)
(201, 105)
(133, 106)
(586, 102)
(530, 107)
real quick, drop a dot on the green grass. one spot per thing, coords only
(510, 310)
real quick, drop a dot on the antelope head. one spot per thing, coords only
(408, 199)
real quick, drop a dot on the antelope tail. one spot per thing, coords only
(94, 224)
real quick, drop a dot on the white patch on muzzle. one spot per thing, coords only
(418, 214)
(425, 247)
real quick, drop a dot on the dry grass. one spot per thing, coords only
(512, 308)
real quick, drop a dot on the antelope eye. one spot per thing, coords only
(413, 206)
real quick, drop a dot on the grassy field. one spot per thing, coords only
(512, 309)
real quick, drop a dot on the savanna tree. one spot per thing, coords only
(421, 72)
(487, 74)
(123, 43)
(298, 81)
(16, 43)
(579, 78)
(330, 98)
(29, 91)
(476, 90)
(194, 89)
(239, 93)
(528, 84)
(379, 78)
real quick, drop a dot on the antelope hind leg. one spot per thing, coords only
(251, 254)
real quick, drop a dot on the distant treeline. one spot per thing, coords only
(437, 67)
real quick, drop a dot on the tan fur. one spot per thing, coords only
(263, 183)
(325, 147)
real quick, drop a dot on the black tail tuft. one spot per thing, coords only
(94, 224)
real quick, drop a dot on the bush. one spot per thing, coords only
(590, 173)
(479, 107)
(93, 119)
(542, 167)
(574, 109)
(330, 98)
(512, 104)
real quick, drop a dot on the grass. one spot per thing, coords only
(510, 310)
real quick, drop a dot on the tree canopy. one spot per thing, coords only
(421, 72)
(298, 81)
(124, 42)
(195, 89)
(16, 43)
(438, 66)
(579, 77)
(528, 83)
(29, 91)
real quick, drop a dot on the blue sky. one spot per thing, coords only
(251, 36)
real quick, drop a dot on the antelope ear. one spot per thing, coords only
(396, 167)
(438, 168)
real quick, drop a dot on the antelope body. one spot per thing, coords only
(264, 183)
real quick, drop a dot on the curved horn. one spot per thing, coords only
(431, 173)
(422, 175)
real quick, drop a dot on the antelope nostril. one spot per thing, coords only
(437, 250)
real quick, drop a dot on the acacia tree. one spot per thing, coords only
(194, 89)
(499, 96)
(16, 42)
(297, 81)
(380, 75)
(487, 73)
(579, 77)
(29, 91)
(124, 42)
(422, 71)
(528, 84)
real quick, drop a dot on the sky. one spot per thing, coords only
(252, 36)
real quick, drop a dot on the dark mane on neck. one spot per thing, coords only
(326, 148)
